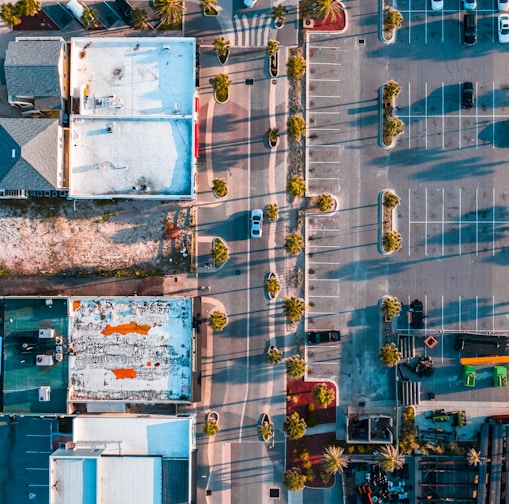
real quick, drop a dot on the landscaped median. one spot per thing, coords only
(390, 125)
(389, 238)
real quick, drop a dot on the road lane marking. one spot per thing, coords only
(493, 223)
(426, 225)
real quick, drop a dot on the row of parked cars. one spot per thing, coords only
(470, 28)
(438, 5)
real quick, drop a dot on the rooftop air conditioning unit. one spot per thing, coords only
(308, 22)
(46, 333)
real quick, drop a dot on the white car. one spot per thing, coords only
(249, 3)
(469, 4)
(437, 5)
(503, 28)
(256, 223)
(503, 5)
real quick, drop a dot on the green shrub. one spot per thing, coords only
(272, 212)
(393, 19)
(390, 200)
(218, 320)
(392, 241)
(296, 67)
(324, 395)
(296, 366)
(294, 308)
(296, 126)
(294, 243)
(296, 186)
(325, 202)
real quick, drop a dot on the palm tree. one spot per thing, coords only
(296, 366)
(390, 200)
(296, 126)
(171, 11)
(279, 13)
(207, 6)
(391, 306)
(391, 90)
(474, 457)
(222, 83)
(392, 241)
(294, 426)
(390, 458)
(139, 18)
(393, 19)
(294, 480)
(90, 18)
(296, 67)
(272, 135)
(328, 10)
(324, 395)
(10, 15)
(272, 212)
(333, 461)
(28, 7)
(389, 355)
(296, 186)
(272, 47)
(218, 320)
(274, 355)
(294, 243)
(219, 251)
(211, 427)
(222, 48)
(325, 202)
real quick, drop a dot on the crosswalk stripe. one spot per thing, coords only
(251, 31)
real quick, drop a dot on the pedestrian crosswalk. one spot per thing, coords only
(251, 31)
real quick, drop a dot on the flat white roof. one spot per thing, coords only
(130, 349)
(132, 130)
(131, 479)
(130, 435)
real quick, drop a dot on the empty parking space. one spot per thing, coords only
(435, 116)
(422, 25)
(446, 222)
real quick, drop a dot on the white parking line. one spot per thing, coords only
(324, 246)
(323, 129)
(409, 220)
(443, 219)
(317, 63)
(328, 47)
(324, 280)
(324, 162)
(409, 122)
(331, 230)
(459, 303)
(316, 112)
(442, 313)
(459, 115)
(476, 313)
(443, 106)
(426, 226)
(426, 110)
(324, 262)
(311, 96)
(493, 115)
(493, 223)
(460, 224)
(323, 178)
(493, 313)
(319, 297)
(324, 80)
(476, 221)
(477, 119)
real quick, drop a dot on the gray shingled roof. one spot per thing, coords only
(28, 154)
(31, 68)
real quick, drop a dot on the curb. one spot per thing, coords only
(381, 121)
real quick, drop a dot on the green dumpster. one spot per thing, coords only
(469, 376)
(500, 376)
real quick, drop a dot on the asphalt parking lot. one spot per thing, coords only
(423, 25)
(448, 167)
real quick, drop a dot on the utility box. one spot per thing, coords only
(46, 333)
(44, 394)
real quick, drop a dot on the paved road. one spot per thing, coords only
(242, 385)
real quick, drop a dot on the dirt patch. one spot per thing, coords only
(54, 236)
(306, 454)
(299, 394)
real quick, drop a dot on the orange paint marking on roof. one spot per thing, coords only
(124, 373)
(131, 327)
(76, 305)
